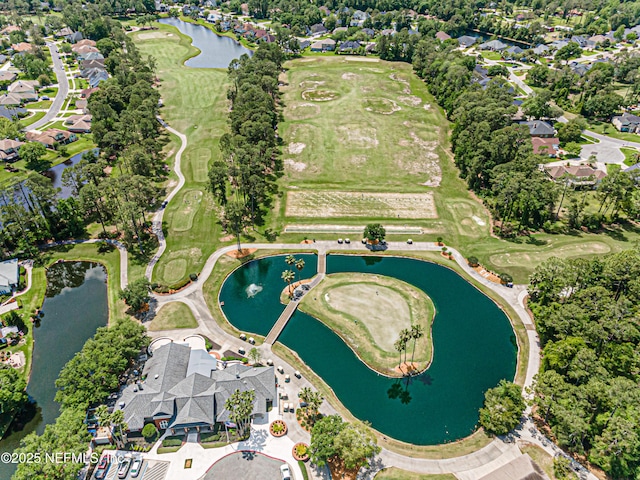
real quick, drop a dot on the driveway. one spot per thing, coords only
(605, 151)
(245, 465)
(63, 89)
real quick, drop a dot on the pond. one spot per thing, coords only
(55, 174)
(215, 51)
(74, 307)
(474, 347)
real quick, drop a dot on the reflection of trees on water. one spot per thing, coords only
(67, 274)
(400, 390)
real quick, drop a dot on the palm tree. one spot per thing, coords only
(290, 260)
(102, 415)
(417, 332)
(314, 401)
(305, 394)
(300, 265)
(255, 355)
(399, 346)
(117, 421)
(288, 277)
(405, 335)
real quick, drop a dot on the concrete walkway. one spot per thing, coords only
(157, 218)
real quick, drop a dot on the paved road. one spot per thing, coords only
(157, 218)
(63, 89)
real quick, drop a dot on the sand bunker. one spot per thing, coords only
(349, 76)
(296, 148)
(411, 100)
(359, 136)
(295, 166)
(319, 95)
(383, 106)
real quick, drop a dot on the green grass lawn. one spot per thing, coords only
(630, 155)
(394, 473)
(491, 55)
(42, 104)
(173, 315)
(25, 122)
(194, 104)
(604, 128)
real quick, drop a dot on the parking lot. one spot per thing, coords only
(149, 470)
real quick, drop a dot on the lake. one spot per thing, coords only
(75, 306)
(474, 346)
(215, 51)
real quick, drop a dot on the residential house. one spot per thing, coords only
(540, 128)
(6, 331)
(545, 146)
(580, 40)
(183, 390)
(387, 32)
(96, 76)
(579, 68)
(494, 46)
(21, 47)
(78, 123)
(11, 113)
(340, 29)
(442, 36)
(358, 18)
(577, 175)
(75, 37)
(593, 42)
(85, 42)
(558, 44)
(349, 46)
(213, 17)
(304, 44)
(627, 122)
(7, 76)
(91, 56)
(9, 151)
(63, 33)
(326, 45)
(9, 277)
(87, 64)
(82, 49)
(3, 58)
(541, 49)
(10, 29)
(324, 10)
(82, 105)
(52, 137)
(10, 100)
(244, 8)
(466, 41)
(87, 92)
(25, 89)
(369, 32)
(318, 29)
(511, 52)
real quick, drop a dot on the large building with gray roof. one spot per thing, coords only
(184, 389)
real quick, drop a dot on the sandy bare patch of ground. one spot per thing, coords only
(296, 148)
(359, 136)
(410, 100)
(327, 204)
(349, 76)
(383, 106)
(396, 78)
(301, 111)
(358, 160)
(426, 162)
(426, 106)
(356, 230)
(361, 59)
(226, 238)
(152, 35)
(311, 84)
(319, 95)
(295, 166)
(367, 89)
(478, 220)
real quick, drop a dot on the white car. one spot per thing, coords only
(284, 471)
(124, 468)
(135, 468)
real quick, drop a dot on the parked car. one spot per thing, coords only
(135, 467)
(102, 468)
(284, 471)
(44, 97)
(124, 468)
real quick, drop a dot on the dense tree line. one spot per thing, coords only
(243, 180)
(494, 155)
(87, 379)
(586, 313)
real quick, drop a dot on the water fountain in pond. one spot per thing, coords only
(252, 290)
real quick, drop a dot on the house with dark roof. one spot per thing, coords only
(318, 29)
(9, 150)
(541, 49)
(11, 113)
(183, 389)
(369, 32)
(580, 40)
(466, 41)
(493, 45)
(627, 123)
(349, 46)
(539, 128)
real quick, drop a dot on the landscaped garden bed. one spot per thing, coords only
(300, 452)
(278, 428)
